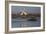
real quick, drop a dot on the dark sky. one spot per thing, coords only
(31, 10)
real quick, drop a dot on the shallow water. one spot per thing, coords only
(18, 22)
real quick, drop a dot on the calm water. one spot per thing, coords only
(18, 22)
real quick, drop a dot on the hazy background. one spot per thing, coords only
(32, 10)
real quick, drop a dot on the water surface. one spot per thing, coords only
(18, 22)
